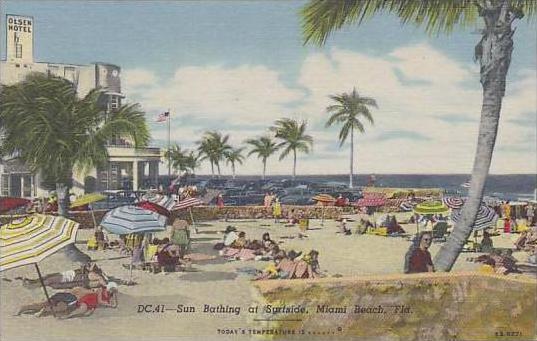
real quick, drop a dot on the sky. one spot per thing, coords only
(237, 66)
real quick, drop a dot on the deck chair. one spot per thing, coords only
(440, 231)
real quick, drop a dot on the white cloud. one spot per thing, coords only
(137, 78)
(418, 88)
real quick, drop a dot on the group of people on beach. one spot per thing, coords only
(284, 264)
(79, 293)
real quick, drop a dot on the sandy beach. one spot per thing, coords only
(214, 282)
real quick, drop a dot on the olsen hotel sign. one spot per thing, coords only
(19, 24)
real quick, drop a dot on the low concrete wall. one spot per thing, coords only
(251, 212)
(441, 306)
(205, 213)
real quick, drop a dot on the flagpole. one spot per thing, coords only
(169, 138)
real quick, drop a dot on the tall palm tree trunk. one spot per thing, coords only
(70, 251)
(294, 164)
(218, 168)
(212, 169)
(264, 169)
(233, 170)
(494, 54)
(352, 158)
(63, 199)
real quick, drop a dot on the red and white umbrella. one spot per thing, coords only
(453, 202)
(187, 203)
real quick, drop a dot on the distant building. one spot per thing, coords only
(127, 167)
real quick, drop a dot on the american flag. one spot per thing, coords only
(162, 117)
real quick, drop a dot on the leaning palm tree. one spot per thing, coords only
(320, 18)
(55, 132)
(234, 156)
(213, 146)
(348, 111)
(293, 137)
(264, 147)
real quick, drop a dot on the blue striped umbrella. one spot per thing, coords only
(486, 217)
(132, 219)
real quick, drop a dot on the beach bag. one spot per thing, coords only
(218, 246)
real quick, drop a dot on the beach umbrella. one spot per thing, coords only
(431, 207)
(486, 217)
(161, 200)
(10, 203)
(31, 239)
(88, 199)
(324, 199)
(132, 219)
(406, 206)
(151, 206)
(453, 202)
(188, 203)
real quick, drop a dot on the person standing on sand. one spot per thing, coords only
(277, 210)
(418, 257)
(220, 201)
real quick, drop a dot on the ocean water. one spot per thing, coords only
(509, 186)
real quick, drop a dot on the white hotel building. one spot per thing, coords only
(127, 167)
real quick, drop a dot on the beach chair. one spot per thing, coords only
(440, 231)
(92, 243)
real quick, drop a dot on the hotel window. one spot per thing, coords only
(69, 73)
(114, 102)
(5, 185)
(18, 50)
(53, 70)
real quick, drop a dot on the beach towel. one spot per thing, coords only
(199, 256)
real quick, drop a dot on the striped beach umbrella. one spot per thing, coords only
(187, 203)
(161, 200)
(431, 207)
(324, 198)
(486, 217)
(132, 219)
(453, 202)
(31, 239)
(151, 206)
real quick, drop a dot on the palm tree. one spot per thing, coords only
(293, 138)
(182, 160)
(54, 132)
(213, 146)
(234, 156)
(264, 147)
(347, 111)
(493, 51)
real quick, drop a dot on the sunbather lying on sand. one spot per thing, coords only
(74, 302)
(88, 276)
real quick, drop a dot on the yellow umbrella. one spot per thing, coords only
(86, 200)
(31, 239)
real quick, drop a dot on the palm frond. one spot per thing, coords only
(322, 17)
